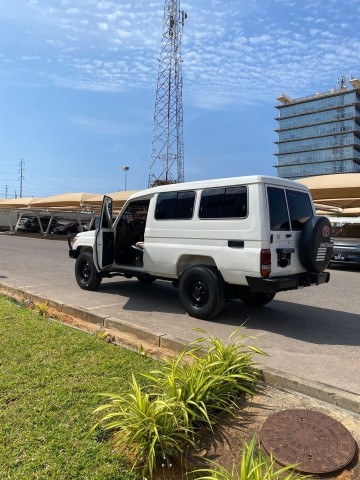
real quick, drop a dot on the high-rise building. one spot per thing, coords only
(320, 134)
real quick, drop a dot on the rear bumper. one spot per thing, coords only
(281, 284)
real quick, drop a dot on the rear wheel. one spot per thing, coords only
(257, 298)
(87, 277)
(201, 292)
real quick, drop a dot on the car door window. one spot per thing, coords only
(279, 216)
(300, 208)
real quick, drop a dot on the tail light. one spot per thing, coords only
(265, 262)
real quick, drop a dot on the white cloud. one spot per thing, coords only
(254, 51)
(103, 26)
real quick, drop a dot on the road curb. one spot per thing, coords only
(323, 392)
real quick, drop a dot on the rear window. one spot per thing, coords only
(300, 208)
(175, 205)
(289, 209)
(348, 230)
(224, 203)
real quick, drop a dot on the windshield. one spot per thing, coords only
(348, 230)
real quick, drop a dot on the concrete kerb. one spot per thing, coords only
(320, 391)
(141, 333)
(326, 393)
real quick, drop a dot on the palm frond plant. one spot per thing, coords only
(145, 426)
(254, 465)
(211, 382)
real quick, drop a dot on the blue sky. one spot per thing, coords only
(78, 80)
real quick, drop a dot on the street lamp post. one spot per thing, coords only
(126, 169)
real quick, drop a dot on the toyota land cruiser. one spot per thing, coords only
(243, 237)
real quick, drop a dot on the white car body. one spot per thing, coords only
(243, 244)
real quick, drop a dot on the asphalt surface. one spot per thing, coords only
(313, 333)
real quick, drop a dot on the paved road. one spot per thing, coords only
(312, 333)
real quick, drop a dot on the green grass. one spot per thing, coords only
(50, 376)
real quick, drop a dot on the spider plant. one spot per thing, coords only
(205, 385)
(145, 426)
(254, 465)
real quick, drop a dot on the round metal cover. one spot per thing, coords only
(316, 442)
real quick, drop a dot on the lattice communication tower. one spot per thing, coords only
(167, 151)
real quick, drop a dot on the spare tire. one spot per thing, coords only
(316, 245)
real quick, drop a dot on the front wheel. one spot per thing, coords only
(201, 292)
(87, 277)
(257, 298)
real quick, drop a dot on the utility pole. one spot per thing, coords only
(21, 173)
(167, 150)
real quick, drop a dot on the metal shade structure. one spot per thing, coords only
(14, 203)
(63, 201)
(328, 188)
(119, 198)
(351, 212)
(342, 203)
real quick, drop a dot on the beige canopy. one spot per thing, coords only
(64, 200)
(119, 198)
(341, 202)
(24, 202)
(351, 212)
(326, 188)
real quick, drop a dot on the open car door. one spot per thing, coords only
(105, 239)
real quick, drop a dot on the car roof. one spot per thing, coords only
(219, 182)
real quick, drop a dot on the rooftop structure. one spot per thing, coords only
(319, 134)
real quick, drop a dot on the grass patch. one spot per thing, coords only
(50, 376)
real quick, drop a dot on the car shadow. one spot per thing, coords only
(302, 322)
(352, 267)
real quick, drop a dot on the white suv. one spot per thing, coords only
(243, 237)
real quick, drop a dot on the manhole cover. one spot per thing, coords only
(316, 442)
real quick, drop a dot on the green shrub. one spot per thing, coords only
(188, 392)
(254, 465)
(203, 385)
(145, 426)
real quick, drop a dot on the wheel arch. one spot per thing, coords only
(187, 261)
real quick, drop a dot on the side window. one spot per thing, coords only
(235, 202)
(106, 214)
(175, 205)
(299, 207)
(185, 205)
(211, 203)
(279, 218)
(224, 203)
(166, 206)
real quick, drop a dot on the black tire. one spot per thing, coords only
(146, 279)
(201, 292)
(87, 277)
(315, 245)
(257, 298)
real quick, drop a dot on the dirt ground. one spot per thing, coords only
(225, 446)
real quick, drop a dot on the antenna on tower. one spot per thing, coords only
(342, 83)
(167, 149)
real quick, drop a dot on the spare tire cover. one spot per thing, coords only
(316, 245)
